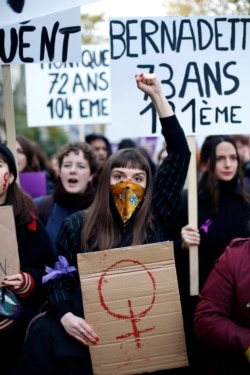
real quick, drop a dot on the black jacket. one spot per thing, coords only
(217, 230)
(35, 251)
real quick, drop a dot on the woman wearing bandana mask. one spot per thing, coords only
(128, 209)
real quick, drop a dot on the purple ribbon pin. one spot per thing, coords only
(61, 267)
(205, 226)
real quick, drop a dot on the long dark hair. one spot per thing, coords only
(24, 208)
(100, 227)
(29, 151)
(208, 179)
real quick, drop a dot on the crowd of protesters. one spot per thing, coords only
(87, 206)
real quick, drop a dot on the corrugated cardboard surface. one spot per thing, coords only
(131, 299)
(9, 257)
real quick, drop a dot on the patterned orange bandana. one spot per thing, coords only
(127, 195)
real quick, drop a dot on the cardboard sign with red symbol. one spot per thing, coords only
(9, 256)
(131, 300)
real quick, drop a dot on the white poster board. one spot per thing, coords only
(70, 93)
(202, 62)
(55, 37)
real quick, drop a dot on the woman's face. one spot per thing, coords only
(6, 178)
(75, 173)
(21, 157)
(101, 151)
(226, 161)
(138, 176)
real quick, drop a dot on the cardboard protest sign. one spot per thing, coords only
(131, 299)
(9, 257)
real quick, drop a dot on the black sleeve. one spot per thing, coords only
(171, 177)
(35, 252)
(174, 135)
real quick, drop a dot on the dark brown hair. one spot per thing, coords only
(44, 161)
(29, 151)
(23, 205)
(100, 227)
(76, 147)
(244, 139)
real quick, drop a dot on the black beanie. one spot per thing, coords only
(5, 151)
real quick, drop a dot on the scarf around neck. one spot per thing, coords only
(69, 200)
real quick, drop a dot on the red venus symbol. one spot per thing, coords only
(134, 318)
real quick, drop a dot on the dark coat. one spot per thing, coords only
(222, 318)
(35, 251)
(216, 231)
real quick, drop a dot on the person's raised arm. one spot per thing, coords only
(150, 85)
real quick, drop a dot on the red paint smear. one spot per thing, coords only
(5, 177)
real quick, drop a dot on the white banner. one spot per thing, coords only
(70, 93)
(202, 62)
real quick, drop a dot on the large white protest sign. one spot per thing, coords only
(32, 42)
(70, 93)
(15, 11)
(56, 37)
(202, 62)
